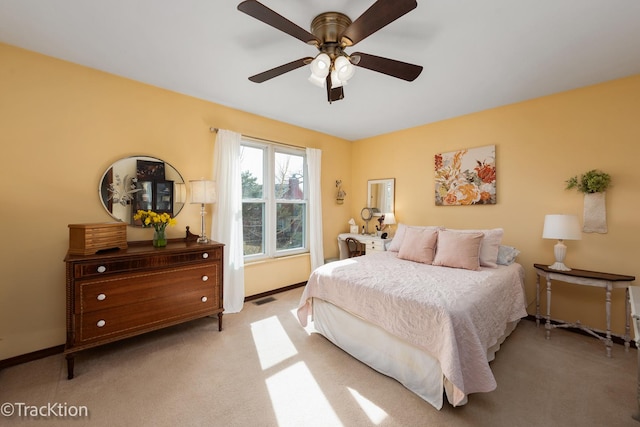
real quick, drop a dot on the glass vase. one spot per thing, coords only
(159, 239)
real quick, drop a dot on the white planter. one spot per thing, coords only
(595, 213)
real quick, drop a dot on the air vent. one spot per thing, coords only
(264, 300)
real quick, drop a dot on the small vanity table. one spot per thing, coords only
(372, 243)
(380, 201)
(607, 281)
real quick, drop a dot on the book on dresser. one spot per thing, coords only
(122, 293)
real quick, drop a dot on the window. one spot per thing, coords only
(274, 200)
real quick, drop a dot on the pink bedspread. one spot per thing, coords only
(453, 314)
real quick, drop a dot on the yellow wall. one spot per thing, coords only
(61, 126)
(539, 144)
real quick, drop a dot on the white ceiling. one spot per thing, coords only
(476, 54)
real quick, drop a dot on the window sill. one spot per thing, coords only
(276, 259)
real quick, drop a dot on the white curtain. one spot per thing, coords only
(226, 224)
(314, 157)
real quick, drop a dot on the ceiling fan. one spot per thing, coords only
(331, 33)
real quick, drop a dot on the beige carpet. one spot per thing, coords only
(264, 369)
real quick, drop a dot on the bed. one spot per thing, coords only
(434, 328)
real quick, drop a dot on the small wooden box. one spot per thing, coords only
(87, 239)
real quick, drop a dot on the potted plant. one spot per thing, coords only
(593, 184)
(593, 181)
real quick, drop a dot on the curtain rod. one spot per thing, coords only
(215, 130)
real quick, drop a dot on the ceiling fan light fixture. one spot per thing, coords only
(335, 80)
(318, 81)
(321, 66)
(331, 33)
(344, 68)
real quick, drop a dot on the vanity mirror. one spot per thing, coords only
(380, 195)
(141, 182)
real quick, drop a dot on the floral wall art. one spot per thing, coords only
(466, 177)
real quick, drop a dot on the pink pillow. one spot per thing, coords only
(458, 249)
(418, 245)
(489, 246)
(398, 238)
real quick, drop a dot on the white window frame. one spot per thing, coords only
(270, 202)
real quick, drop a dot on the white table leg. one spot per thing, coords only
(537, 300)
(547, 325)
(636, 416)
(627, 328)
(608, 341)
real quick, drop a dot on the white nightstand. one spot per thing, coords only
(373, 243)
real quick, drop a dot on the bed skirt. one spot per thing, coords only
(414, 368)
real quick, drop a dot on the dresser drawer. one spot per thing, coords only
(145, 315)
(117, 265)
(375, 246)
(120, 290)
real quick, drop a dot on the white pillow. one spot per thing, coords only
(418, 245)
(458, 249)
(507, 255)
(489, 246)
(396, 243)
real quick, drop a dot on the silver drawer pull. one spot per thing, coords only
(205, 255)
(205, 278)
(102, 269)
(101, 323)
(203, 299)
(101, 297)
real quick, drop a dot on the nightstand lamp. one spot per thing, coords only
(561, 227)
(389, 219)
(203, 192)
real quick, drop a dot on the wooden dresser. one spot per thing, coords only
(121, 293)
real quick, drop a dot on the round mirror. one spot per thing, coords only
(366, 214)
(141, 182)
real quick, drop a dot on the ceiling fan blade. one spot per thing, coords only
(275, 72)
(269, 17)
(379, 15)
(391, 67)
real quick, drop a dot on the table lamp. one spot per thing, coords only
(561, 227)
(389, 219)
(203, 192)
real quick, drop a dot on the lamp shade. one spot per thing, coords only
(318, 81)
(389, 218)
(561, 227)
(335, 81)
(203, 191)
(344, 68)
(321, 65)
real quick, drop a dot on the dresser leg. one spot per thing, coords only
(70, 365)
(219, 322)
